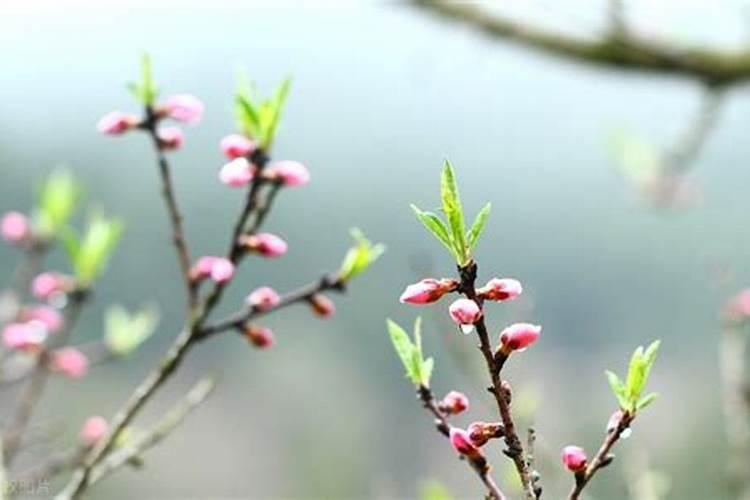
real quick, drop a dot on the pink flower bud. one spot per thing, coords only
(14, 227)
(481, 432)
(454, 403)
(237, 173)
(260, 336)
(48, 284)
(236, 146)
(170, 138)
(219, 269)
(263, 298)
(116, 123)
(738, 308)
(183, 108)
(461, 442)
(322, 305)
(519, 336)
(94, 429)
(289, 173)
(574, 458)
(427, 291)
(26, 336)
(222, 270)
(465, 312)
(47, 316)
(70, 362)
(500, 289)
(266, 244)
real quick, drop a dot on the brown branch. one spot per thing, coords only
(603, 457)
(301, 294)
(168, 423)
(479, 464)
(624, 51)
(175, 217)
(32, 393)
(514, 449)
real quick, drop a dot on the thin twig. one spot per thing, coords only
(479, 464)
(32, 393)
(603, 457)
(175, 217)
(301, 294)
(168, 423)
(514, 449)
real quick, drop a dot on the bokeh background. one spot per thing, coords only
(382, 93)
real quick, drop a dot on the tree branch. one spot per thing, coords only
(603, 457)
(175, 218)
(624, 52)
(514, 449)
(479, 464)
(32, 393)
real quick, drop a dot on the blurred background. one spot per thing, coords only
(382, 93)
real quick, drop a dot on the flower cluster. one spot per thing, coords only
(183, 108)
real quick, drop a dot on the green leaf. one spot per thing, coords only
(618, 389)
(649, 358)
(360, 257)
(404, 348)
(259, 118)
(277, 106)
(427, 366)
(434, 491)
(436, 226)
(646, 400)
(146, 90)
(478, 226)
(90, 253)
(58, 196)
(636, 372)
(454, 213)
(124, 332)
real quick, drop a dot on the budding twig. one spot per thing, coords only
(603, 457)
(479, 463)
(514, 449)
(35, 388)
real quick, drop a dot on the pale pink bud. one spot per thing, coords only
(116, 123)
(236, 146)
(738, 308)
(237, 173)
(461, 442)
(322, 306)
(500, 289)
(266, 244)
(222, 270)
(28, 336)
(49, 284)
(454, 403)
(70, 362)
(289, 173)
(519, 336)
(94, 429)
(260, 336)
(183, 108)
(14, 227)
(427, 291)
(465, 312)
(48, 316)
(219, 269)
(481, 432)
(263, 298)
(574, 458)
(170, 138)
